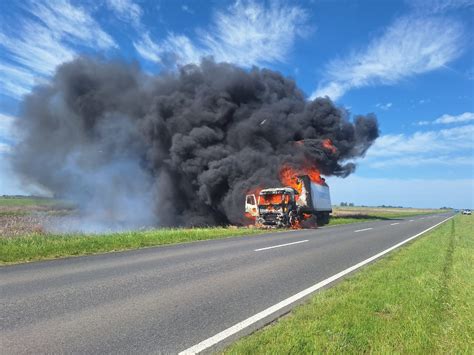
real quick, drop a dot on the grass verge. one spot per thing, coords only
(26, 201)
(419, 299)
(38, 247)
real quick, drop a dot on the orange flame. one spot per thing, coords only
(289, 176)
(273, 199)
(327, 143)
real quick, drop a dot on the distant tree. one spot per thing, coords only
(351, 204)
(343, 204)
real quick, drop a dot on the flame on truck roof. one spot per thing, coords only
(278, 190)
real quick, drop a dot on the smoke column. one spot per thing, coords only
(176, 149)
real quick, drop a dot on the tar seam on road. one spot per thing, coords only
(282, 245)
(362, 230)
(394, 224)
(205, 344)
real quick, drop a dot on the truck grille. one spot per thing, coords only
(270, 218)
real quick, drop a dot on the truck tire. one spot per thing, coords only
(326, 218)
(322, 218)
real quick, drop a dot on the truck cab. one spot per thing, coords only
(275, 207)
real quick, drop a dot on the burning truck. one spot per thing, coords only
(305, 201)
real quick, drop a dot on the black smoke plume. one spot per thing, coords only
(176, 149)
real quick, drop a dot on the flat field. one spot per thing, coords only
(345, 215)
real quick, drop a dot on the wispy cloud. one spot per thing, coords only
(175, 49)
(444, 140)
(448, 119)
(187, 9)
(4, 148)
(439, 6)
(127, 11)
(8, 134)
(246, 33)
(424, 101)
(16, 81)
(250, 33)
(410, 46)
(7, 129)
(452, 146)
(44, 39)
(384, 107)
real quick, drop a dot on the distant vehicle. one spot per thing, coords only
(284, 207)
(466, 212)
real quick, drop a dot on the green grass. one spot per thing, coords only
(419, 299)
(25, 201)
(38, 247)
(12, 213)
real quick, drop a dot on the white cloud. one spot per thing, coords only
(175, 48)
(250, 33)
(448, 119)
(7, 128)
(126, 10)
(410, 46)
(453, 146)
(16, 81)
(67, 22)
(418, 160)
(45, 39)
(148, 49)
(247, 33)
(439, 6)
(384, 106)
(464, 117)
(187, 9)
(5, 148)
(445, 140)
(428, 193)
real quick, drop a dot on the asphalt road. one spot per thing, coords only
(166, 299)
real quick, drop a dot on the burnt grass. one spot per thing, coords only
(20, 216)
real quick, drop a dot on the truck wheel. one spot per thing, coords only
(326, 218)
(320, 219)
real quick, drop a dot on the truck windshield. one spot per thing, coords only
(273, 199)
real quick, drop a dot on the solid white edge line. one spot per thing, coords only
(362, 230)
(282, 245)
(394, 224)
(205, 344)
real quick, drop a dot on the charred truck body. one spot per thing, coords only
(284, 207)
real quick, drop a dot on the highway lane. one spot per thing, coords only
(168, 299)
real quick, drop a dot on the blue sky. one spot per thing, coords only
(410, 62)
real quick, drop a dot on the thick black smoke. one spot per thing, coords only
(178, 148)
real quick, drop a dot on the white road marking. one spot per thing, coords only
(411, 220)
(394, 224)
(361, 230)
(205, 344)
(282, 245)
